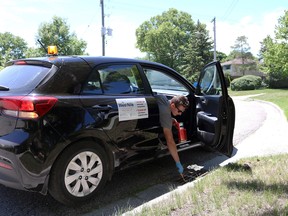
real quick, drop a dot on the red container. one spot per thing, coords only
(182, 135)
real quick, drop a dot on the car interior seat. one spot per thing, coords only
(116, 83)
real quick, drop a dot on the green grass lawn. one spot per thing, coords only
(251, 186)
(277, 96)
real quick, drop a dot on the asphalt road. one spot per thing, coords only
(128, 189)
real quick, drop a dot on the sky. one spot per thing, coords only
(254, 19)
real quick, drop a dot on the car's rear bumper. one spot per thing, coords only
(8, 173)
(14, 175)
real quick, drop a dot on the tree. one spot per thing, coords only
(57, 33)
(220, 56)
(34, 52)
(241, 49)
(264, 46)
(275, 54)
(197, 52)
(11, 47)
(166, 36)
(281, 31)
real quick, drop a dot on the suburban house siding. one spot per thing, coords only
(235, 67)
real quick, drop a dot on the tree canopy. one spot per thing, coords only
(54, 33)
(58, 33)
(11, 47)
(170, 37)
(241, 49)
(275, 54)
(197, 52)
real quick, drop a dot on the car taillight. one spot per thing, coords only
(26, 107)
(6, 166)
(20, 63)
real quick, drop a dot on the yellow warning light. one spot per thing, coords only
(52, 50)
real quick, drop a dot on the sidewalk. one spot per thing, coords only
(271, 138)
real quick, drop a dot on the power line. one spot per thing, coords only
(229, 10)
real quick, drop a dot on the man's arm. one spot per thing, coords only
(171, 144)
(172, 148)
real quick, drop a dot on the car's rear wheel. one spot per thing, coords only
(78, 173)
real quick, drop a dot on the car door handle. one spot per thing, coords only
(102, 107)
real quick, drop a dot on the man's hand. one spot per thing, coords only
(179, 167)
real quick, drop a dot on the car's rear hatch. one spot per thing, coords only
(17, 81)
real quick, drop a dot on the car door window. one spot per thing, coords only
(115, 79)
(162, 83)
(93, 85)
(210, 82)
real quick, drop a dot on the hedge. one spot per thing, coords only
(248, 82)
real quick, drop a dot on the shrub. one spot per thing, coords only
(275, 81)
(248, 82)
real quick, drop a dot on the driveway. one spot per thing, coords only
(271, 137)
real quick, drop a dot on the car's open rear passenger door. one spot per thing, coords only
(215, 111)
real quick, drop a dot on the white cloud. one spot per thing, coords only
(25, 21)
(122, 43)
(254, 30)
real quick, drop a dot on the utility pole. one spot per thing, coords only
(214, 29)
(103, 30)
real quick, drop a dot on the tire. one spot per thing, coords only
(78, 174)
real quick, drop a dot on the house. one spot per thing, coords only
(237, 69)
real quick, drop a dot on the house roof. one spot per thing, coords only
(238, 61)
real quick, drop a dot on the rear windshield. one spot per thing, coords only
(20, 76)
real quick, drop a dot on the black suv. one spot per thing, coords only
(68, 123)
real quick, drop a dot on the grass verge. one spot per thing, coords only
(253, 186)
(277, 96)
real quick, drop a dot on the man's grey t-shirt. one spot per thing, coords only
(164, 111)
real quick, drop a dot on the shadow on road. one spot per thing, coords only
(127, 190)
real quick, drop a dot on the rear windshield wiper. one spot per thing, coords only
(4, 88)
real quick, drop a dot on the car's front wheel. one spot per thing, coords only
(78, 173)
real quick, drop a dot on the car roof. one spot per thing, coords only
(91, 60)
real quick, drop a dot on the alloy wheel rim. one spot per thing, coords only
(83, 174)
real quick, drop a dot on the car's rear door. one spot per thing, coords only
(215, 112)
(115, 96)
